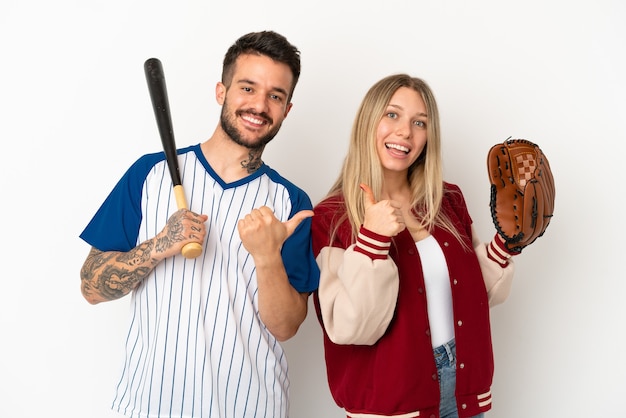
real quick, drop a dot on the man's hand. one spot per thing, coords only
(182, 228)
(262, 234)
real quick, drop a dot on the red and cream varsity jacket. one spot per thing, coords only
(371, 303)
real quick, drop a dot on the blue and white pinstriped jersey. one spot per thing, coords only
(196, 346)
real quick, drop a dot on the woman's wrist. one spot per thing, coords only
(373, 245)
(498, 252)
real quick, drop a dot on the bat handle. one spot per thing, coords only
(193, 249)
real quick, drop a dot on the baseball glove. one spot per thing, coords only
(522, 192)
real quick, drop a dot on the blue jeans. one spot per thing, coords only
(445, 357)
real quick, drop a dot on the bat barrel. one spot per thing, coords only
(160, 103)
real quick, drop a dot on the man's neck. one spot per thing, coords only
(230, 160)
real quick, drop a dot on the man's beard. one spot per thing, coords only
(228, 125)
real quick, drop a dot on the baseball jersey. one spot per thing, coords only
(196, 346)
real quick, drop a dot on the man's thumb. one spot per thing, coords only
(293, 223)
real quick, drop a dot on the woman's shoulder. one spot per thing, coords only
(330, 211)
(451, 187)
(452, 191)
(330, 203)
(453, 196)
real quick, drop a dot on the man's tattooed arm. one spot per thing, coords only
(111, 275)
(254, 160)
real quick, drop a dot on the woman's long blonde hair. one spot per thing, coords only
(362, 163)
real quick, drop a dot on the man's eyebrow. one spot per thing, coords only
(253, 83)
(281, 90)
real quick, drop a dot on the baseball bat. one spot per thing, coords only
(158, 93)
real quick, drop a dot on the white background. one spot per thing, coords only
(75, 112)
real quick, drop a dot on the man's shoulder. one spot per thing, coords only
(276, 177)
(146, 161)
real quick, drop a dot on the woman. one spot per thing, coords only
(405, 285)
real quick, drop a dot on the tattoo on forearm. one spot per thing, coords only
(138, 256)
(115, 282)
(254, 160)
(113, 275)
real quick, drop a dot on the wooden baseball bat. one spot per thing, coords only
(160, 104)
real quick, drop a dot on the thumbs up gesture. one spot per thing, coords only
(384, 217)
(263, 234)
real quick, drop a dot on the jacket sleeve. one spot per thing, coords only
(498, 278)
(358, 289)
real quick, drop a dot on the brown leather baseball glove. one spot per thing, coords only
(522, 192)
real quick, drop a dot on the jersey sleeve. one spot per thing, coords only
(115, 226)
(297, 251)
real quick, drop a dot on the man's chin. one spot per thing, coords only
(256, 144)
(252, 145)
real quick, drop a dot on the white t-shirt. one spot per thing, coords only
(438, 292)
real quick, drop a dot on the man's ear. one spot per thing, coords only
(220, 93)
(287, 109)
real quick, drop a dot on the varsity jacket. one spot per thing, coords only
(371, 303)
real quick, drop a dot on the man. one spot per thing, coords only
(204, 335)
